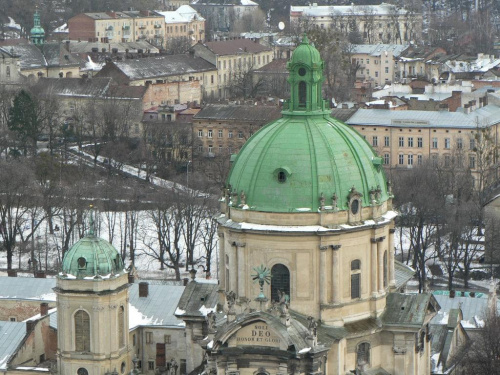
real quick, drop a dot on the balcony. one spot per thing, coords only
(142, 27)
(126, 27)
(157, 26)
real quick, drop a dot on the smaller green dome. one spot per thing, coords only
(92, 256)
(37, 33)
(306, 54)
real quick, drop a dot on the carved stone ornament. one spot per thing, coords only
(399, 349)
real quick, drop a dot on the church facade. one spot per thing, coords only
(308, 201)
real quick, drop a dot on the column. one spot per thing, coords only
(390, 249)
(222, 262)
(336, 274)
(380, 255)
(322, 275)
(373, 267)
(241, 277)
(233, 269)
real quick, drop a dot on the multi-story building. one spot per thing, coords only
(183, 25)
(384, 23)
(127, 26)
(376, 62)
(9, 67)
(409, 138)
(419, 62)
(164, 69)
(235, 59)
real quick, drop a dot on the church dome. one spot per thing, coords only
(306, 160)
(92, 256)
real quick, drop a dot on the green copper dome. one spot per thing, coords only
(306, 160)
(37, 33)
(92, 256)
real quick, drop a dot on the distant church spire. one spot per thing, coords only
(37, 33)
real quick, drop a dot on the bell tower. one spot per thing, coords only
(93, 309)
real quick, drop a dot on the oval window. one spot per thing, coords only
(82, 262)
(355, 206)
(302, 72)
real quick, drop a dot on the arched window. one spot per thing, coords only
(355, 279)
(363, 354)
(82, 331)
(302, 94)
(280, 281)
(121, 327)
(385, 269)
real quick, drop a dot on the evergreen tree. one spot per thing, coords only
(24, 119)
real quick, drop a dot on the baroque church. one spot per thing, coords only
(308, 280)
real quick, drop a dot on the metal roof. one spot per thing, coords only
(197, 299)
(160, 304)
(342, 10)
(408, 309)
(256, 114)
(378, 49)
(402, 273)
(163, 66)
(482, 117)
(472, 307)
(27, 288)
(12, 334)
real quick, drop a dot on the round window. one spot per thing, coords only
(355, 206)
(281, 177)
(82, 371)
(302, 72)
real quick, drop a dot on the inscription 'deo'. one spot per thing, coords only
(257, 334)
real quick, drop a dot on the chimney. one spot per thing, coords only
(12, 273)
(185, 281)
(452, 294)
(143, 289)
(40, 275)
(192, 273)
(30, 324)
(44, 308)
(131, 278)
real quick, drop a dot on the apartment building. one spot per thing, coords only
(183, 23)
(376, 62)
(233, 59)
(407, 138)
(384, 23)
(117, 27)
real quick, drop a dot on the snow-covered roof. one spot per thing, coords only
(183, 14)
(378, 49)
(62, 29)
(482, 64)
(314, 10)
(485, 116)
(27, 288)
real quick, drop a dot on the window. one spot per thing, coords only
(386, 141)
(472, 161)
(447, 160)
(374, 141)
(210, 133)
(13, 319)
(447, 143)
(419, 159)
(200, 133)
(82, 331)
(376, 74)
(230, 134)
(410, 159)
(410, 141)
(220, 149)
(240, 135)
(280, 281)
(121, 327)
(434, 160)
(386, 159)
(302, 94)
(355, 279)
(134, 340)
(401, 141)
(401, 159)
(387, 70)
(168, 339)
(420, 142)
(363, 354)
(220, 133)
(460, 143)
(210, 148)
(149, 337)
(7, 72)
(472, 144)
(385, 269)
(434, 142)
(151, 365)
(367, 61)
(212, 78)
